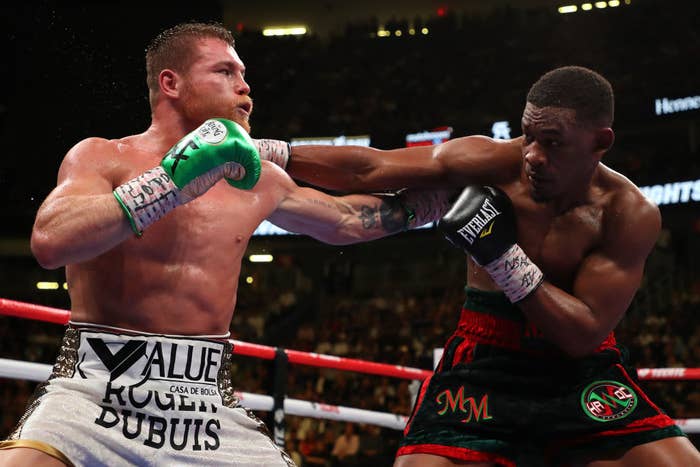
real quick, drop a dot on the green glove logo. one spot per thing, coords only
(178, 153)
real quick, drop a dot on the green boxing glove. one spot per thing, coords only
(217, 149)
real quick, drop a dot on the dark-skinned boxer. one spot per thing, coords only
(532, 375)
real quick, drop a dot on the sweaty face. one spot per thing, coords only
(214, 85)
(557, 151)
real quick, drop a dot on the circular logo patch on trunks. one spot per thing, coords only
(605, 401)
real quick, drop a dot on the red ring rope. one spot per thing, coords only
(58, 316)
(35, 312)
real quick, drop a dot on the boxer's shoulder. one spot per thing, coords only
(619, 194)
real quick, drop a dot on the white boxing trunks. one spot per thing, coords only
(120, 397)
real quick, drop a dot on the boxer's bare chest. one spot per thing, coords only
(181, 276)
(222, 219)
(558, 242)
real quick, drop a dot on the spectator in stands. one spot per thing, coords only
(346, 447)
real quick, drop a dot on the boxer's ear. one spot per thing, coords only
(169, 83)
(603, 141)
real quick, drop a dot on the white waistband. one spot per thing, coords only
(78, 324)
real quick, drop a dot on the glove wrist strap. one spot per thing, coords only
(423, 206)
(274, 150)
(515, 273)
(147, 198)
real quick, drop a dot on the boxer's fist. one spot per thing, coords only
(481, 222)
(217, 149)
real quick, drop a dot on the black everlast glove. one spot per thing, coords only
(482, 223)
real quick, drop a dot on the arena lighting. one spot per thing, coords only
(249, 280)
(665, 105)
(260, 258)
(65, 286)
(397, 33)
(501, 130)
(589, 6)
(383, 33)
(285, 31)
(268, 228)
(673, 192)
(568, 9)
(424, 31)
(47, 285)
(412, 31)
(428, 138)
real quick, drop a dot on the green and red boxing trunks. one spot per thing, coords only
(505, 395)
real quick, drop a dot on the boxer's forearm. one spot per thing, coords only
(342, 168)
(368, 217)
(339, 220)
(364, 169)
(358, 217)
(565, 320)
(455, 163)
(75, 228)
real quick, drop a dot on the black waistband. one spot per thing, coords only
(492, 303)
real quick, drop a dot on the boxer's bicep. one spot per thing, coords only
(82, 206)
(611, 275)
(86, 171)
(607, 287)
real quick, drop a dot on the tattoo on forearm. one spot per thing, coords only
(321, 202)
(393, 215)
(368, 216)
(389, 216)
